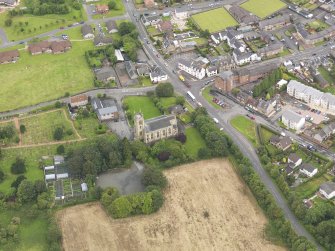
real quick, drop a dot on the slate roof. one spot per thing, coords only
(274, 21)
(159, 122)
(104, 73)
(292, 116)
(111, 25)
(294, 158)
(104, 106)
(8, 56)
(328, 187)
(308, 167)
(86, 29)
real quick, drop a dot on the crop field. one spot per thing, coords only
(39, 78)
(206, 207)
(214, 20)
(40, 128)
(263, 8)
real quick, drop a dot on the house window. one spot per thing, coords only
(157, 134)
(164, 132)
(169, 130)
(152, 135)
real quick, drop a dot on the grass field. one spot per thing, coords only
(34, 79)
(266, 135)
(32, 231)
(263, 8)
(86, 126)
(38, 24)
(40, 128)
(194, 142)
(207, 186)
(246, 127)
(141, 104)
(167, 102)
(308, 189)
(214, 20)
(73, 33)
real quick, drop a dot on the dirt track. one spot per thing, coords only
(235, 222)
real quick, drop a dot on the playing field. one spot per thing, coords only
(214, 20)
(206, 207)
(263, 8)
(35, 79)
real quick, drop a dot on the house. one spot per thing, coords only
(157, 75)
(111, 26)
(165, 26)
(9, 3)
(265, 107)
(180, 14)
(54, 47)
(87, 31)
(274, 23)
(242, 16)
(101, 8)
(194, 68)
(79, 100)
(102, 40)
(325, 132)
(105, 75)
(281, 83)
(294, 159)
(293, 120)
(152, 19)
(105, 109)
(308, 170)
(313, 38)
(130, 68)
(252, 104)
(327, 189)
(9, 56)
(211, 71)
(271, 50)
(58, 159)
(150, 130)
(282, 143)
(149, 4)
(118, 55)
(143, 70)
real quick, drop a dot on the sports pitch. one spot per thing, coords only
(214, 20)
(263, 8)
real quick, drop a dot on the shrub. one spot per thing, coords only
(60, 149)
(58, 133)
(23, 128)
(18, 166)
(163, 156)
(15, 184)
(181, 138)
(2, 176)
(153, 177)
(164, 90)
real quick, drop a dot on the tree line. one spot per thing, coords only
(267, 85)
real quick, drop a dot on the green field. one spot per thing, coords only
(141, 104)
(308, 189)
(263, 8)
(38, 24)
(40, 128)
(209, 97)
(73, 33)
(214, 20)
(86, 127)
(168, 102)
(194, 142)
(246, 127)
(35, 79)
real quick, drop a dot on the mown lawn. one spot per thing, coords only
(141, 104)
(246, 127)
(266, 135)
(168, 102)
(40, 128)
(73, 33)
(39, 78)
(194, 142)
(308, 189)
(38, 24)
(263, 8)
(214, 20)
(326, 75)
(86, 127)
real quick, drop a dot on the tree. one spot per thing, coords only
(18, 166)
(180, 100)
(204, 153)
(235, 91)
(15, 184)
(112, 5)
(58, 133)
(2, 176)
(40, 186)
(121, 207)
(163, 156)
(164, 90)
(23, 128)
(181, 138)
(8, 22)
(26, 191)
(153, 176)
(60, 149)
(126, 28)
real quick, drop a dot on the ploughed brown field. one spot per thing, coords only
(234, 221)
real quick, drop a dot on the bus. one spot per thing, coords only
(191, 95)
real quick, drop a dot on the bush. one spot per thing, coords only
(204, 153)
(163, 156)
(58, 104)
(164, 90)
(180, 100)
(23, 128)
(58, 133)
(15, 184)
(181, 138)
(154, 177)
(2, 176)
(26, 191)
(19, 166)
(120, 208)
(60, 149)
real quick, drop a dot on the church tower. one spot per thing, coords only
(139, 126)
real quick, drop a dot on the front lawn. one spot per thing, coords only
(39, 78)
(73, 33)
(266, 135)
(214, 20)
(263, 8)
(40, 128)
(307, 189)
(194, 142)
(141, 104)
(119, 11)
(246, 127)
